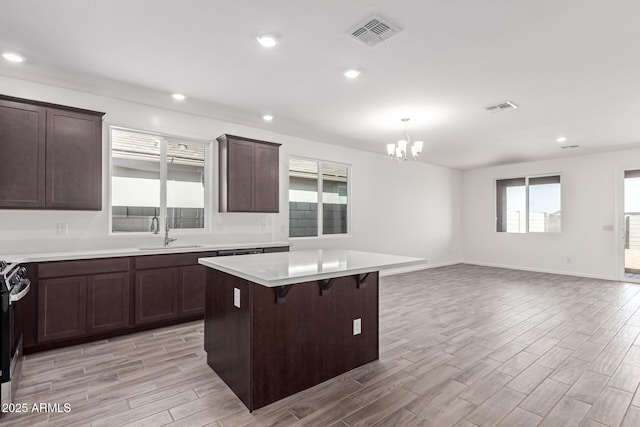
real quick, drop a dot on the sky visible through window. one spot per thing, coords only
(542, 198)
(631, 195)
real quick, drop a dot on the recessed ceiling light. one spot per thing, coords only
(13, 57)
(561, 139)
(352, 74)
(267, 117)
(267, 40)
(178, 97)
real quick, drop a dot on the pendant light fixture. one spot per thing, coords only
(399, 151)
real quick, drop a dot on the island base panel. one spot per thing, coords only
(227, 332)
(293, 345)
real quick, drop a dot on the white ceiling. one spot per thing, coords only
(571, 65)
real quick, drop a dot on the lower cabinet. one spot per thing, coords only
(62, 308)
(79, 299)
(166, 293)
(107, 302)
(191, 285)
(75, 306)
(156, 297)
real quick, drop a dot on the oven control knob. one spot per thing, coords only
(15, 280)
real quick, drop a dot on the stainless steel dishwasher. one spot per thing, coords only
(232, 252)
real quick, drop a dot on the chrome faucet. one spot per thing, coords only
(167, 239)
(155, 225)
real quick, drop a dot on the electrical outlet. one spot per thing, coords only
(62, 229)
(357, 326)
(236, 297)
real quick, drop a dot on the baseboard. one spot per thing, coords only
(542, 270)
(417, 267)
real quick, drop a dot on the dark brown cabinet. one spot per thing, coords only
(169, 287)
(22, 148)
(73, 302)
(191, 285)
(62, 308)
(107, 302)
(249, 175)
(74, 160)
(79, 300)
(156, 296)
(52, 156)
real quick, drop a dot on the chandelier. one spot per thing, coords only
(398, 151)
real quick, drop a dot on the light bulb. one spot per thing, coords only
(13, 57)
(352, 74)
(418, 145)
(267, 40)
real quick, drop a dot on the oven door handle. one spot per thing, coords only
(26, 286)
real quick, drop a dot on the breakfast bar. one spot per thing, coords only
(279, 323)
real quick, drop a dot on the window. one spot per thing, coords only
(156, 176)
(309, 213)
(528, 205)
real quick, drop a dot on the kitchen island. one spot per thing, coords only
(279, 323)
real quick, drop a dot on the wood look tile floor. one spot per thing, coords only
(459, 346)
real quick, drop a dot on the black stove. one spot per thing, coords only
(13, 287)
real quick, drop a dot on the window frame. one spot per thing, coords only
(320, 187)
(208, 175)
(527, 178)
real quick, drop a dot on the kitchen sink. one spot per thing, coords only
(164, 248)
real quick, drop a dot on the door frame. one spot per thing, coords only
(619, 227)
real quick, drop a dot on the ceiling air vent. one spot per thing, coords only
(373, 31)
(499, 108)
(569, 147)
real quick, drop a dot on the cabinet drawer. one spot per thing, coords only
(83, 267)
(170, 260)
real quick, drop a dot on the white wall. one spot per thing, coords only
(591, 205)
(411, 208)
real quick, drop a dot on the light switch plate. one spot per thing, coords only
(236, 297)
(357, 326)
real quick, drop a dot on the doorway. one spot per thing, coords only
(632, 225)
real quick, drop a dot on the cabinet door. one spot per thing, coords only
(156, 295)
(22, 150)
(192, 281)
(62, 308)
(74, 160)
(266, 188)
(107, 302)
(240, 176)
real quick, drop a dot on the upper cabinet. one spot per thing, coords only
(52, 156)
(249, 175)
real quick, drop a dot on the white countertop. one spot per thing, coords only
(286, 268)
(143, 250)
